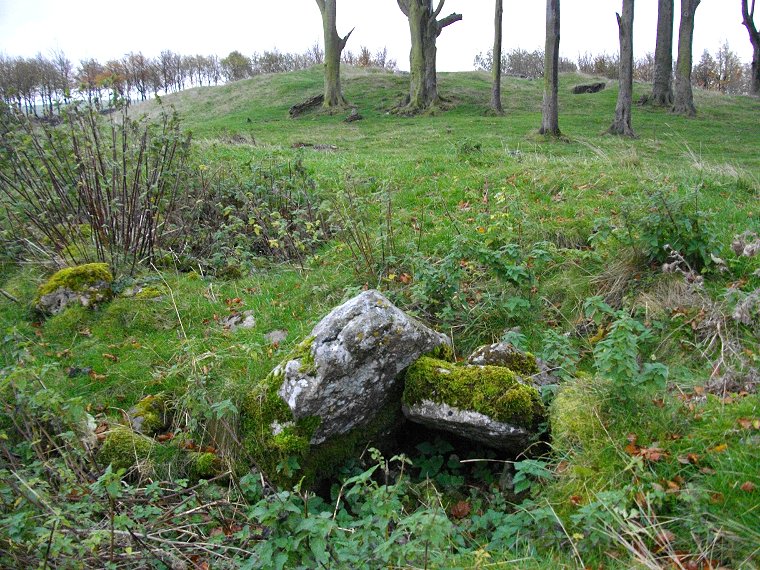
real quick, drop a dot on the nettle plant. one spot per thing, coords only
(617, 355)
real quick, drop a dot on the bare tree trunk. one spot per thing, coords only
(684, 98)
(550, 115)
(334, 45)
(496, 65)
(748, 15)
(622, 123)
(662, 92)
(424, 28)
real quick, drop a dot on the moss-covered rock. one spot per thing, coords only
(494, 391)
(487, 404)
(86, 285)
(151, 414)
(125, 449)
(203, 465)
(506, 355)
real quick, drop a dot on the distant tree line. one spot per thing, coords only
(35, 84)
(721, 71)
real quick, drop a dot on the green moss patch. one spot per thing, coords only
(78, 279)
(151, 413)
(494, 391)
(124, 449)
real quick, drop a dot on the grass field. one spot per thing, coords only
(485, 230)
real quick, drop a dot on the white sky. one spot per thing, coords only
(108, 29)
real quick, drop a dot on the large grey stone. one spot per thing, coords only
(353, 363)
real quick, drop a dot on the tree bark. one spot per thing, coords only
(496, 65)
(662, 92)
(683, 103)
(334, 45)
(424, 28)
(748, 19)
(550, 114)
(622, 123)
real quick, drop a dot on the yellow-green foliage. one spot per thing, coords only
(443, 352)
(575, 414)
(491, 390)
(78, 278)
(124, 449)
(203, 465)
(147, 293)
(152, 410)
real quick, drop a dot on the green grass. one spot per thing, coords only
(463, 185)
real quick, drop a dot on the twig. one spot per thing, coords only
(8, 296)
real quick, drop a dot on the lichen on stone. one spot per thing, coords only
(506, 355)
(493, 391)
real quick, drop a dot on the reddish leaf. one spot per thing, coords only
(576, 500)
(461, 510)
(746, 423)
(748, 487)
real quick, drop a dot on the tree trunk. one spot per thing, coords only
(754, 37)
(550, 114)
(334, 45)
(496, 66)
(424, 29)
(684, 98)
(662, 92)
(622, 124)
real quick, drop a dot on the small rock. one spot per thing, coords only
(276, 337)
(234, 321)
(87, 285)
(523, 363)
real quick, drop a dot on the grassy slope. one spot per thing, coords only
(554, 189)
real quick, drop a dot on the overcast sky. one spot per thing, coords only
(108, 29)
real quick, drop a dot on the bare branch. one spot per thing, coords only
(438, 10)
(344, 40)
(447, 21)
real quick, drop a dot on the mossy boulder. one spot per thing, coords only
(126, 449)
(203, 465)
(151, 414)
(489, 404)
(86, 285)
(338, 390)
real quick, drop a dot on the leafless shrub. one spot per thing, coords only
(92, 188)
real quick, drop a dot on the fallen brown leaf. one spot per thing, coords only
(461, 510)
(748, 487)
